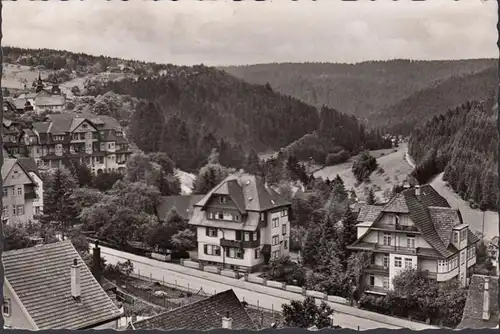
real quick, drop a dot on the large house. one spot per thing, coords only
(223, 310)
(96, 141)
(416, 229)
(22, 191)
(241, 224)
(50, 287)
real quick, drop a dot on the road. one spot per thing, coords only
(254, 294)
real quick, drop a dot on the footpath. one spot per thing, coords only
(268, 297)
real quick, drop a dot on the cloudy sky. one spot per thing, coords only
(225, 32)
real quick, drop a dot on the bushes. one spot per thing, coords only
(363, 166)
(337, 158)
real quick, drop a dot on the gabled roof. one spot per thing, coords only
(7, 165)
(368, 213)
(41, 278)
(248, 192)
(202, 315)
(473, 312)
(184, 205)
(29, 165)
(431, 214)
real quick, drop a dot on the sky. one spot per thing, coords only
(236, 33)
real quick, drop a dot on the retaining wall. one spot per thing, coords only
(293, 288)
(275, 284)
(316, 294)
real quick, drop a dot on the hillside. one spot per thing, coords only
(381, 84)
(462, 143)
(422, 105)
(191, 110)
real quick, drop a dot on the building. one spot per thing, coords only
(29, 165)
(20, 191)
(50, 287)
(416, 229)
(241, 224)
(96, 141)
(223, 310)
(183, 204)
(481, 308)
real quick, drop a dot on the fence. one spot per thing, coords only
(200, 292)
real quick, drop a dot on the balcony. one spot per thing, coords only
(396, 249)
(239, 243)
(377, 269)
(397, 227)
(30, 195)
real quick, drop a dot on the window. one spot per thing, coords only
(20, 210)
(386, 283)
(13, 192)
(372, 280)
(462, 259)
(16, 174)
(397, 262)
(236, 218)
(262, 217)
(442, 266)
(212, 250)
(222, 199)
(284, 213)
(410, 241)
(455, 237)
(227, 216)
(283, 229)
(210, 215)
(6, 307)
(5, 211)
(247, 236)
(408, 262)
(275, 254)
(275, 240)
(254, 236)
(473, 251)
(387, 239)
(285, 244)
(234, 253)
(5, 192)
(276, 222)
(386, 261)
(220, 215)
(19, 191)
(14, 212)
(257, 253)
(463, 235)
(211, 232)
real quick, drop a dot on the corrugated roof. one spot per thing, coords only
(184, 204)
(473, 312)
(41, 277)
(202, 315)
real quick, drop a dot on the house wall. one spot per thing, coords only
(394, 271)
(279, 249)
(14, 180)
(427, 264)
(17, 318)
(38, 202)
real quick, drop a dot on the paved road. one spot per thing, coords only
(254, 294)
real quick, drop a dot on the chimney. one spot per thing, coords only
(417, 191)
(227, 321)
(96, 262)
(486, 299)
(75, 281)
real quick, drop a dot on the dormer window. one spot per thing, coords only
(455, 237)
(222, 199)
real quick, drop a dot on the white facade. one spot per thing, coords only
(38, 201)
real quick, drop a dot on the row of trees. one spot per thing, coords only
(462, 143)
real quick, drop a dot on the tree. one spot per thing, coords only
(183, 240)
(363, 166)
(58, 204)
(307, 314)
(105, 181)
(15, 237)
(370, 197)
(252, 163)
(209, 177)
(356, 265)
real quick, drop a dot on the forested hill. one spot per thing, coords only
(362, 89)
(191, 110)
(463, 142)
(422, 105)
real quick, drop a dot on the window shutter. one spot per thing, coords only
(238, 235)
(227, 251)
(205, 248)
(206, 232)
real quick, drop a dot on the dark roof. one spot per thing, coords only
(473, 312)
(29, 165)
(202, 315)
(248, 192)
(182, 203)
(41, 278)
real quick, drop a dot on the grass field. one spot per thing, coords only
(15, 76)
(187, 180)
(393, 162)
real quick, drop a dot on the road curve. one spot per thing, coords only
(254, 294)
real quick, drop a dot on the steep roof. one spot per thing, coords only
(473, 312)
(248, 192)
(29, 165)
(41, 278)
(182, 203)
(368, 213)
(7, 165)
(202, 315)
